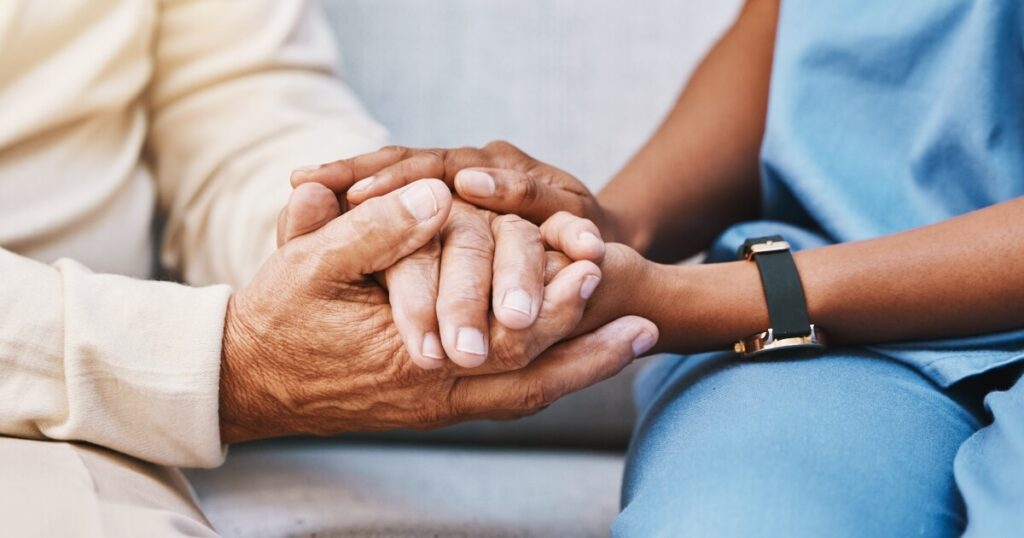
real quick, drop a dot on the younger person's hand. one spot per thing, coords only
(498, 176)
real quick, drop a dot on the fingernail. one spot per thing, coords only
(476, 183)
(361, 185)
(518, 300)
(643, 343)
(432, 347)
(590, 283)
(303, 170)
(470, 341)
(420, 201)
(589, 239)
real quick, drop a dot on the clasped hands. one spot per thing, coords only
(392, 302)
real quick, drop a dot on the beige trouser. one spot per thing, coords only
(71, 489)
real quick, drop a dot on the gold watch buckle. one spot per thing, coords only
(764, 342)
(760, 248)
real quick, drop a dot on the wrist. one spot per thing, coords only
(705, 307)
(239, 397)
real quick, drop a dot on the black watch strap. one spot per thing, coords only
(787, 307)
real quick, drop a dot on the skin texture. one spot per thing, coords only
(697, 176)
(441, 297)
(311, 347)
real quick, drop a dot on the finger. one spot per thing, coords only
(465, 287)
(577, 237)
(514, 191)
(553, 263)
(412, 289)
(559, 315)
(309, 208)
(340, 175)
(375, 235)
(563, 369)
(439, 163)
(419, 165)
(518, 286)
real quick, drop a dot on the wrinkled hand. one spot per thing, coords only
(447, 286)
(441, 297)
(498, 176)
(310, 345)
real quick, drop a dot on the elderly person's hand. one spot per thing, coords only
(441, 297)
(310, 346)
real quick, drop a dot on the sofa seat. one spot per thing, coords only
(330, 488)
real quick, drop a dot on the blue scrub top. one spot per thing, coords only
(888, 115)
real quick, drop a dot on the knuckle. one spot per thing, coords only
(416, 266)
(419, 310)
(536, 395)
(449, 163)
(499, 146)
(466, 238)
(525, 190)
(560, 318)
(450, 406)
(396, 150)
(369, 224)
(462, 302)
(433, 156)
(511, 224)
(507, 221)
(474, 251)
(506, 153)
(512, 352)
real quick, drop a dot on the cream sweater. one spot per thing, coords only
(112, 111)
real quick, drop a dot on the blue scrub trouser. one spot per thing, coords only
(845, 444)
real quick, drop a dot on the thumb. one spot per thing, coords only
(310, 206)
(383, 230)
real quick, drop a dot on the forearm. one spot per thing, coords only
(126, 364)
(699, 172)
(956, 278)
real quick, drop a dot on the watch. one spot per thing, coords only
(791, 329)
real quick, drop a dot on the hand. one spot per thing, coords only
(499, 177)
(630, 285)
(310, 345)
(440, 298)
(450, 288)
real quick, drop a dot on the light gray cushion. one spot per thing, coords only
(600, 417)
(330, 488)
